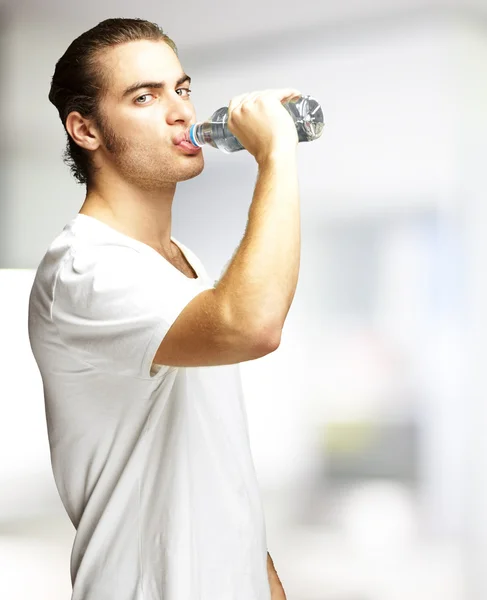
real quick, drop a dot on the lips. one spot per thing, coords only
(181, 141)
(180, 137)
(188, 147)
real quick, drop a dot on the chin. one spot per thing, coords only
(193, 169)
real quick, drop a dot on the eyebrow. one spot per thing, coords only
(153, 84)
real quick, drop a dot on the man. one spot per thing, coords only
(138, 350)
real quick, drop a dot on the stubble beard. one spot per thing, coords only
(137, 167)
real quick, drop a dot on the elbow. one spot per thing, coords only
(267, 339)
(258, 338)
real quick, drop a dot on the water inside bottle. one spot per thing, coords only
(221, 135)
(305, 112)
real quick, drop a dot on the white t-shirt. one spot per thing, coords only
(154, 467)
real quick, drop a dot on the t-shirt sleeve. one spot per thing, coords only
(112, 306)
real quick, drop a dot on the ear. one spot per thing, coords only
(82, 130)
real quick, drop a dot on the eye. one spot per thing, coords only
(143, 96)
(184, 90)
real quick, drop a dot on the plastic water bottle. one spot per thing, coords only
(304, 110)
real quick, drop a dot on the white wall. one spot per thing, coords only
(469, 60)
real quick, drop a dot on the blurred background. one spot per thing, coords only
(368, 423)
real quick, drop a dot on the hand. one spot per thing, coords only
(277, 591)
(261, 124)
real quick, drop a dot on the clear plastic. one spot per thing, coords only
(305, 111)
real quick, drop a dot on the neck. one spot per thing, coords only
(142, 214)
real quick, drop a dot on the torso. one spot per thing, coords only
(181, 263)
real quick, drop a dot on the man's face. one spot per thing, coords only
(139, 126)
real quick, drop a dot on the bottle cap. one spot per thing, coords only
(191, 136)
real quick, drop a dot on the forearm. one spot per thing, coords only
(261, 279)
(277, 591)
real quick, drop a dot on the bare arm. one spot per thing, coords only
(277, 591)
(261, 280)
(243, 316)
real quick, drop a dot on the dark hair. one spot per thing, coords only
(78, 82)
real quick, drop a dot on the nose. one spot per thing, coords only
(179, 110)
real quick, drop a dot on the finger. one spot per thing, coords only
(235, 101)
(248, 97)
